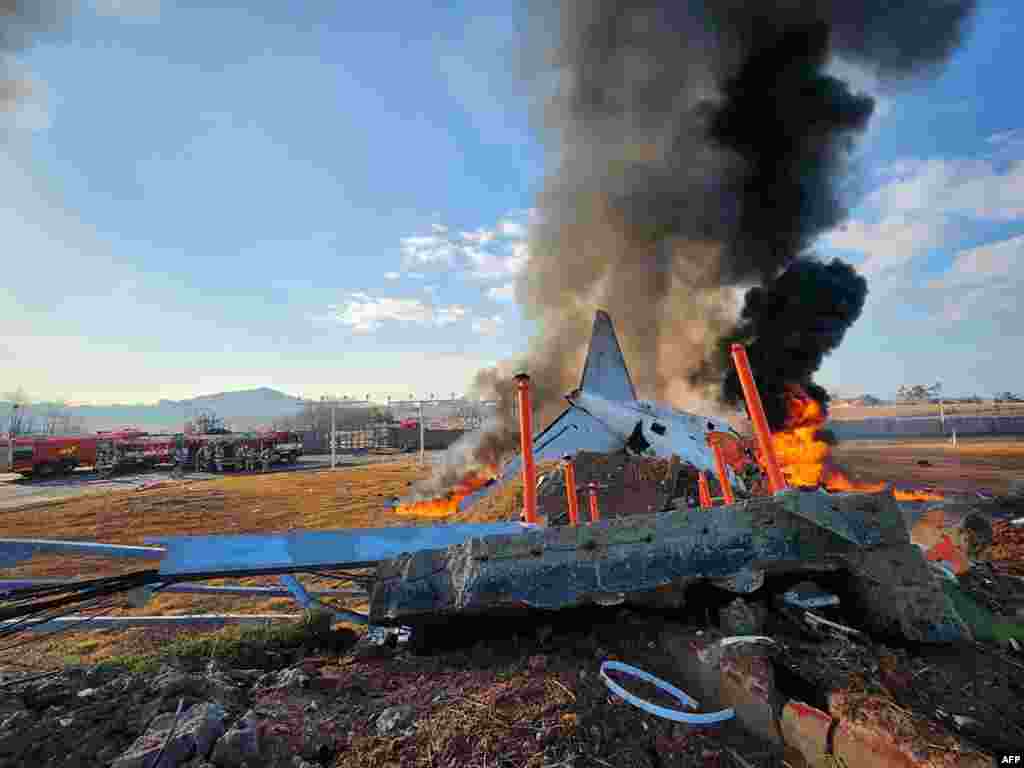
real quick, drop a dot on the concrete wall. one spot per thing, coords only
(433, 439)
(927, 426)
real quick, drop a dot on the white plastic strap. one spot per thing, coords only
(695, 718)
(739, 639)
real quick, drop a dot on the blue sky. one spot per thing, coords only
(335, 201)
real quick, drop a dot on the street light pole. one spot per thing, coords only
(10, 438)
(334, 408)
(421, 433)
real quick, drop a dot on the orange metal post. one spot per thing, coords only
(570, 492)
(776, 481)
(723, 476)
(705, 492)
(595, 513)
(526, 446)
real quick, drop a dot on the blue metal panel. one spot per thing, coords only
(9, 585)
(306, 601)
(14, 551)
(311, 550)
(107, 622)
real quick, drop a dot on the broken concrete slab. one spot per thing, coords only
(902, 596)
(174, 740)
(562, 567)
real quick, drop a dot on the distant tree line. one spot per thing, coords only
(27, 418)
(317, 417)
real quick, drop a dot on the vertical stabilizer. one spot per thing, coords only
(605, 373)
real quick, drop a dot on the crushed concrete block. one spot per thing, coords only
(738, 676)
(194, 735)
(747, 684)
(805, 729)
(872, 734)
(902, 596)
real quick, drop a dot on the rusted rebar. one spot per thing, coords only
(776, 482)
(704, 490)
(570, 491)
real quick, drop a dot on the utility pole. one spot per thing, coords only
(10, 437)
(421, 433)
(334, 410)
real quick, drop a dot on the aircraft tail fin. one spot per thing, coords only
(605, 372)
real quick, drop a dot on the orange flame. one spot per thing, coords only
(448, 504)
(805, 458)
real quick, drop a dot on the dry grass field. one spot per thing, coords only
(355, 498)
(852, 412)
(974, 464)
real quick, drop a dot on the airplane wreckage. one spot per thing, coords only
(650, 530)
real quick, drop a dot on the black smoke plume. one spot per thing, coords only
(699, 149)
(788, 326)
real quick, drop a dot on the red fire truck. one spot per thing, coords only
(44, 457)
(49, 456)
(287, 446)
(117, 452)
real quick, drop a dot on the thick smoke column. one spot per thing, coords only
(789, 325)
(699, 146)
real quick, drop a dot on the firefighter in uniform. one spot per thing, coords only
(180, 457)
(203, 458)
(265, 456)
(218, 457)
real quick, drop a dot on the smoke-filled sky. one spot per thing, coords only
(247, 199)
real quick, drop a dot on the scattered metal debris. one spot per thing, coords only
(691, 718)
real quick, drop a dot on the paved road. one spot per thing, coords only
(16, 492)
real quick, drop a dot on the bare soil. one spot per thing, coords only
(975, 464)
(531, 696)
(851, 412)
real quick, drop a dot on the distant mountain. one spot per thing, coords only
(243, 410)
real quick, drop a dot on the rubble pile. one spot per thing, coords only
(825, 680)
(626, 485)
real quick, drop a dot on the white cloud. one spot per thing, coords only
(488, 326)
(891, 242)
(429, 289)
(506, 292)
(426, 251)
(977, 189)
(982, 282)
(984, 264)
(512, 228)
(450, 314)
(391, 275)
(480, 235)
(495, 253)
(415, 275)
(364, 313)
(141, 10)
(924, 204)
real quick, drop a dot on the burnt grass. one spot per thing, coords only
(535, 697)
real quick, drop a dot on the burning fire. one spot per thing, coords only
(448, 504)
(804, 456)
